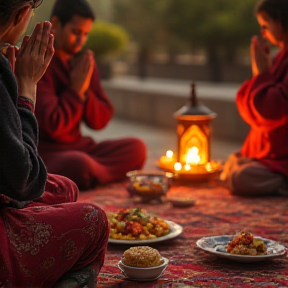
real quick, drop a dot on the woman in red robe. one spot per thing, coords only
(261, 167)
(46, 239)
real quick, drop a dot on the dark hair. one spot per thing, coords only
(276, 9)
(66, 9)
(9, 8)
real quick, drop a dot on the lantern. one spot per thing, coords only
(192, 159)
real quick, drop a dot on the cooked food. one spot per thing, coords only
(142, 256)
(135, 223)
(146, 185)
(244, 243)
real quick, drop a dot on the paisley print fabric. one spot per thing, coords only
(43, 241)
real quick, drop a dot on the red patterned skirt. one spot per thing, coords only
(52, 236)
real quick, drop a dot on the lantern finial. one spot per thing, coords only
(193, 98)
(194, 109)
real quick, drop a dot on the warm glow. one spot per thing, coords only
(177, 166)
(208, 167)
(193, 156)
(187, 167)
(169, 154)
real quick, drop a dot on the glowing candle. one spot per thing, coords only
(169, 154)
(208, 167)
(193, 156)
(177, 166)
(167, 161)
(187, 167)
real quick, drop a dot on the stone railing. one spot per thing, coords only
(154, 101)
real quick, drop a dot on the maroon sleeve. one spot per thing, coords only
(263, 100)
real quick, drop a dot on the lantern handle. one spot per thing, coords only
(193, 98)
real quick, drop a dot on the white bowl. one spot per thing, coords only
(140, 273)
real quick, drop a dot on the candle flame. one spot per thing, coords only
(193, 156)
(187, 167)
(177, 166)
(169, 154)
(208, 167)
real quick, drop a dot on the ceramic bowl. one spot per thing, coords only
(149, 185)
(181, 201)
(139, 273)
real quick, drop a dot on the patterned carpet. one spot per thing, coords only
(215, 212)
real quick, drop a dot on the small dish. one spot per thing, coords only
(143, 274)
(149, 185)
(182, 202)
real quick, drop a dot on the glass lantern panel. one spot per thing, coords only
(193, 146)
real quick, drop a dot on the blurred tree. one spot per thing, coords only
(106, 40)
(221, 27)
(143, 20)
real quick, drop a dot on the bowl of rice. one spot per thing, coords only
(142, 263)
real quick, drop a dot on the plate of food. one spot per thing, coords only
(242, 247)
(136, 226)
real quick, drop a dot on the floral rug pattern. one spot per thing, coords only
(215, 212)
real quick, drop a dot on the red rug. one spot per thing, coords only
(215, 212)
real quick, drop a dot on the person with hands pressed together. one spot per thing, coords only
(261, 167)
(260, 56)
(81, 72)
(70, 93)
(47, 240)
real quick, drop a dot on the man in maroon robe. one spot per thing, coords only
(70, 93)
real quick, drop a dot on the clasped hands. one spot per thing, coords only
(30, 62)
(260, 56)
(82, 67)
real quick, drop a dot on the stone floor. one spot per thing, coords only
(158, 140)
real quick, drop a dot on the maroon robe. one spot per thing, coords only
(263, 103)
(60, 111)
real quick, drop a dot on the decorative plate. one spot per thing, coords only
(175, 230)
(217, 246)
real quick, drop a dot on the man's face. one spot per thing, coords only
(71, 37)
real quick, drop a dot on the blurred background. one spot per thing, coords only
(200, 40)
